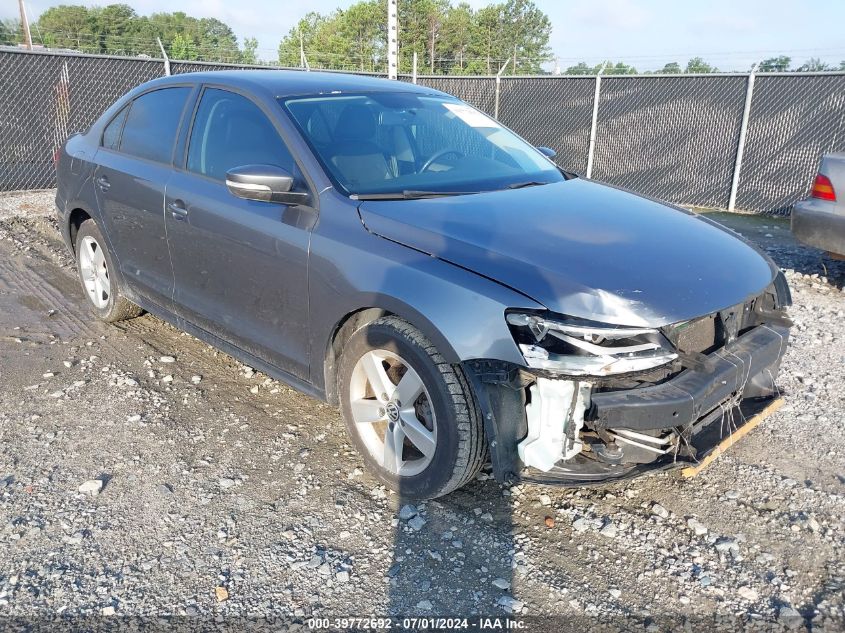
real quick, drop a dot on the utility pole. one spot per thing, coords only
(27, 36)
(392, 39)
(303, 61)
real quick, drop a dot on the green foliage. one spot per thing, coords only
(118, 29)
(672, 68)
(447, 38)
(775, 64)
(698, 65)
(619, 68)
(10, 32)
(814, 64)
(248, 55)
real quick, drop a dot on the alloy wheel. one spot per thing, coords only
(392, 413)
(94, 272)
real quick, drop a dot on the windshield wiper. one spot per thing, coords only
(527, 183)
(409, 194)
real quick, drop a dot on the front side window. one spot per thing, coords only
(152, 123)
(111, 135)
(231, 131)
(392, 142)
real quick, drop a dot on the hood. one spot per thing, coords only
(584, 250)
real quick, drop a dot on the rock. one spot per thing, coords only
(696, 526)
(549, 521)
(222, 594)
(107, 611)
(748, 593)
(726, 544)
(254, 389)
(545, 500)
(407, 512)
(660, 511)
(342, 576)
(790, 618)
(167, 359)
(615, 593)
(416, 523)
(167, 379)
(501, 583)
(393, 571)
(425, 605)
(580, 525)
(196, 379)
(510, 604)
(165, 489)
(132, 419)
(91, 487)
(609, 530)
(191, 611)
(226, 483)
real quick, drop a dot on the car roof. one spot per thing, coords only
(285, 83)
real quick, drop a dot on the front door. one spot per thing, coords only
(240, 266)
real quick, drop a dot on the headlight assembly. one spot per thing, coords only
(586, 348)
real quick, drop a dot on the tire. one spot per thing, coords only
(438, 431)
(98, 275)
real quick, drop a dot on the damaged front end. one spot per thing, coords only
(597, 401)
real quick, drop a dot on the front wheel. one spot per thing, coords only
(412, 416)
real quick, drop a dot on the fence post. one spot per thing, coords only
(743, 129)
(414, 72)
(498, 85)
(591, 148)
(166, 58)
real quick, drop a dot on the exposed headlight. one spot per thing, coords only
(586, 348)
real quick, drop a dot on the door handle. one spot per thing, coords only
(177, 210)
(103, 183)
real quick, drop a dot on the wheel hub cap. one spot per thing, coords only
(392, 413)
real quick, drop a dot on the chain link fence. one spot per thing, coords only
(672, 137)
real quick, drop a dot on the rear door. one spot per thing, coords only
(134, 163)
(240, 266)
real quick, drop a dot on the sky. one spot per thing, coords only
(730, 34)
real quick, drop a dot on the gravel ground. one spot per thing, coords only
(144, 473)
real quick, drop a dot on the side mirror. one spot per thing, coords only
(548, 152)
(266, 183)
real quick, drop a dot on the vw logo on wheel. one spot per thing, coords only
(392, 410)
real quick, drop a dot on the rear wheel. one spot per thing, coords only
(411, 415)
(98, 276)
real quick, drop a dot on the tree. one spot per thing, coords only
(182, 47)
(698, 65)
(619, 68)
(67, 26)
(671, 68)
(814, 64)
(248, 55)
(445, 37)
(775, 64)
(581, 68)
(10, 32)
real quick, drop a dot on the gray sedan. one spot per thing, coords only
(392, 250)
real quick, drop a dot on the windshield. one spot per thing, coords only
(390, 142)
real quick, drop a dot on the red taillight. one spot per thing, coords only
(823, 188)
(56, 154)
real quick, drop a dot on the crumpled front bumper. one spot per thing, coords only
(746, 368)
(701, 406)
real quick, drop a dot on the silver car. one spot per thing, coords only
(820, 219)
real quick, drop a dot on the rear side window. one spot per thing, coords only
(231, 131)
(111, 135)
(152, 122)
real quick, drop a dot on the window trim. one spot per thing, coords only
(181, 162)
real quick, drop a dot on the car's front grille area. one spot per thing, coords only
(698, 335)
